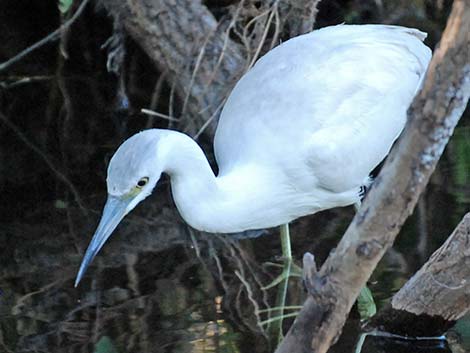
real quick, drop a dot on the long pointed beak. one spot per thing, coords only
(114, 211)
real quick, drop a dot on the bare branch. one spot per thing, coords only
(47, 39)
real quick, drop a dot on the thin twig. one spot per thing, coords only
(202, 51)
(171, 102)
(24, 80)
(224, 47)
(49, 38)
(195, 244)
(277, 30)
(251, 298)
(265, 33)
(49, 163)
(277, 318)
(160, 115)
(250, 267)
(245, 36)
(220, 271)
(156, 95)
(287, 307)
(209, 121)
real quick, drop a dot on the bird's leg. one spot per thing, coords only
(289, 269)
(285, 242)
(363, 189)
(294, 271)
(275, 330)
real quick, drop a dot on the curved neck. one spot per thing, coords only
(193, 183)
(225, 204)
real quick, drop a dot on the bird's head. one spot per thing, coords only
(133, 172)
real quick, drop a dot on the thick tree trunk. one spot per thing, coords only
(183, 39)
(432, 119)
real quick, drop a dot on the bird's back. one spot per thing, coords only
(336, 94)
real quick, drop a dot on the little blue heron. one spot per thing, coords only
(299, 133)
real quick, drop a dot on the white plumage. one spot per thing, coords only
(345, 81)
(300, 132)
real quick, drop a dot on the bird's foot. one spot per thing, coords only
(363, 189)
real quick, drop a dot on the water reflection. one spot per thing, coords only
(380, 345)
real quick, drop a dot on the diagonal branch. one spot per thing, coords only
(433, 116)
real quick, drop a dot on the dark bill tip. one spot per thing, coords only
(113, 212)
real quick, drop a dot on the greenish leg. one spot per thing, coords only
(275, 329)
(294, 270)
(289, 269)
(285, 242)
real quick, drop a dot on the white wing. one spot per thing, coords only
(334, 99)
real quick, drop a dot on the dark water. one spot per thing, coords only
(157, 286)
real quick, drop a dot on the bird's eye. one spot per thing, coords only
(142, 182)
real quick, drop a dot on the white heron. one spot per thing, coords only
(299, 133)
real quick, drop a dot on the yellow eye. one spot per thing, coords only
(142, 182)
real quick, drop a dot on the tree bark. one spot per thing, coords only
(433, 116)
(442, 286)
(300, 15)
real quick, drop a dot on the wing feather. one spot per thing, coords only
(335, 98)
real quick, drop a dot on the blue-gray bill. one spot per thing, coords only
(114, 211)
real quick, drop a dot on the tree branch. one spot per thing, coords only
(433, 116)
